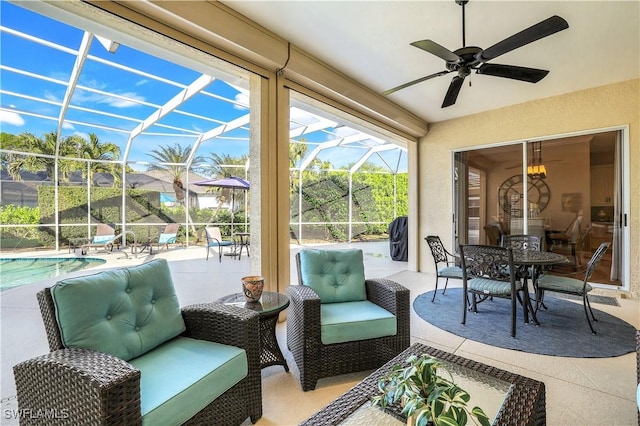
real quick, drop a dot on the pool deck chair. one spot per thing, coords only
(104, 237)
(214, 240)
(166, 237)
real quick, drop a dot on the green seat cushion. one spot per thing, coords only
(352, 321)
(220, 243)
(450, 272)
(182, 376)
(565, 284)
(124, 312)
(167, 238)
(335, 275)
(487, 286)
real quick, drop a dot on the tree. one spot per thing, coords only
(41, 155)
(219, 171)
(218, 163)
(96, 150)
(173, 159)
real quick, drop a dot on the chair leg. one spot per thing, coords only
(446, 283)
(466, 307)
(587, 310)
(513, 315)
(436, 290)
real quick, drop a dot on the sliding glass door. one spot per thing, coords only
(567, 191)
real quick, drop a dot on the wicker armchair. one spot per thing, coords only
(316, 360)
(87, 387)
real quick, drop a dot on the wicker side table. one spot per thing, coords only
(269, 307)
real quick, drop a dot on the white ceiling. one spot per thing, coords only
(370, 42)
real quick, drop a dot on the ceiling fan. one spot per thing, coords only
(469, 58)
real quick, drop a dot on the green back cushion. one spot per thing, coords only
(336, 275)
(167, 238)
(102, 239)
(124, 312)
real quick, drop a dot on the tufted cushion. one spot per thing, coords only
(167, 238)
(336, 275)
(124, 312)
(102, 239)
(484, 285)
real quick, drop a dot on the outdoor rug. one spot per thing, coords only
(563, 329)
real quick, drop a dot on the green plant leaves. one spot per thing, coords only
(426, 394)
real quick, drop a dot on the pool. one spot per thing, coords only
(15, 272)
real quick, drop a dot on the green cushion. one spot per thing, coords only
(487, 286)
(450, 272)
(336, 275)
(167, 238)
(184, 375)
(102, 239)
(351, 321)
(565, 284)
(124, 312)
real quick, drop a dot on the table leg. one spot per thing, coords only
(527, 301)
(270, 353)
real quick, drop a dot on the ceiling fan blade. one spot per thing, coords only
(411, 83)
(536, 32)
(452, 92)
(435, 49)
(531, 75)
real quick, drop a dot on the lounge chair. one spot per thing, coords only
(104, 237)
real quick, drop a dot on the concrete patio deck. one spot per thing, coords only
(580, 391)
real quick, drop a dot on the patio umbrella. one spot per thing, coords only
(232, 182)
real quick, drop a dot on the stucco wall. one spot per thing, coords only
(597, 108)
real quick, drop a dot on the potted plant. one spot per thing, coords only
(425, 396)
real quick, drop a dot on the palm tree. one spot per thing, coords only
(96, 150)
(173, 159)
(219, 170)
(32, 144)
(218, 163)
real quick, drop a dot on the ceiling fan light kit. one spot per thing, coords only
(469, 58)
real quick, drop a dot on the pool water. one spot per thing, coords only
(15, 272)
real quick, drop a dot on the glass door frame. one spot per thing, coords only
(624, 228)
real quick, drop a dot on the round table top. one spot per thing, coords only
(270, 302)
(533, 257)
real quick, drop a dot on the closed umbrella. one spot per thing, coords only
(232, 182)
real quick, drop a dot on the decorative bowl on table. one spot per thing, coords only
(252, 287)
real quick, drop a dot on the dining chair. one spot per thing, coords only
(524, 242)
(571, 284)
(445, 262)
(214, 240)
(488, 271)
(521, 242)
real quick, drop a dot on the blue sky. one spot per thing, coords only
(110, 100)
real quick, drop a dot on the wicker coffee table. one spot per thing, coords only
(522, 400)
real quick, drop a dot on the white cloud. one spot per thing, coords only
(82, 135)
(67, 125)
(11, 118)
(142, 82)
(83, 98)
(50, 96)
(243, 99)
